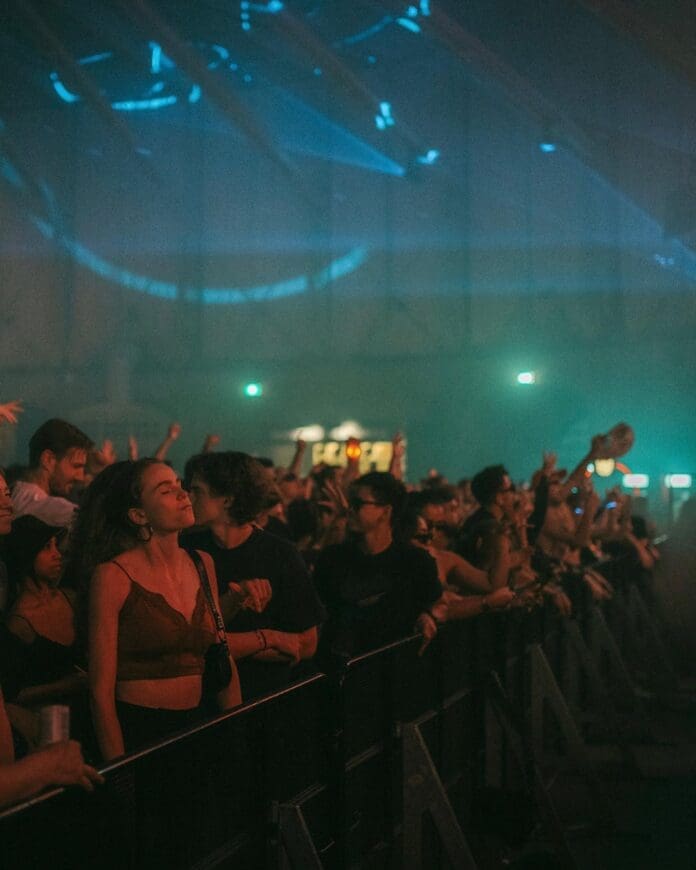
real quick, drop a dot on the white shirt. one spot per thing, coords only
(28, 498)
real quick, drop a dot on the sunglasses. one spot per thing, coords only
(356, 503)
(436, 527)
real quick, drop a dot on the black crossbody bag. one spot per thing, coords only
(218, 670)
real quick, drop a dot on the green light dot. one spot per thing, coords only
(253, 391)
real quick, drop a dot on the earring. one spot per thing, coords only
(146, 533)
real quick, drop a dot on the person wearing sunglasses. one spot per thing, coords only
(376, 589)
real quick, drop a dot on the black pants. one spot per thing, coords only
(142, 726)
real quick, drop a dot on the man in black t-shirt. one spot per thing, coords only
(376, 590)
(483, 539)
(268, 602)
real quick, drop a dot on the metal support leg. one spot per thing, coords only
(511, 724)
(295, 846)
(544, 689)
(644, 624)
(601, 645)
(423, 790)
(598, 690)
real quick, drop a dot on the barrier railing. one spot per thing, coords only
(387, 761)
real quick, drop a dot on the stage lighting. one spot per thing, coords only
(604, 467)
(253, 390)
(526, 378)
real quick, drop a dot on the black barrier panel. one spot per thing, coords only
(456, 647)
(224, 794)
(203, 797)
(294, 746)
(388, 685)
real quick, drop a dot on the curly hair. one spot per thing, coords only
(236, 475)
(102, 527)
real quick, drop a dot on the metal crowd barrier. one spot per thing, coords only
(390, 760)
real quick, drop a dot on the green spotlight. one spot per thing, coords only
(253, 390)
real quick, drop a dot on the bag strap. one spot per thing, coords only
(205, 583)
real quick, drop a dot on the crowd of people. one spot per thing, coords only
(145, 601)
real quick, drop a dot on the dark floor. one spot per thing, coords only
(653, 804)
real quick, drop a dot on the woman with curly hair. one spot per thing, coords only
(150, 620)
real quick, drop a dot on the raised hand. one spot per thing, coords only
(10, 410)
(549, 460)
(210, 443)
(173, 432)
(333, 497)
(104, 455)
(132, 448)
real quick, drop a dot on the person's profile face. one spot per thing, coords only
(208, 508)
(67, 471)
(435, 516)
(165, 505)
(366, 512)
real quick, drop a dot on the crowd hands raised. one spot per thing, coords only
(144, 602)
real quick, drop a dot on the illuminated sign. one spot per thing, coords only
(636, 481)
(374, 456)
(678, 481)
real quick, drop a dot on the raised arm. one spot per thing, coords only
(132, 448)
(396, 464)
(295, 466)
(10, 410)
(173, 432)
(210, 443)
(577, 476)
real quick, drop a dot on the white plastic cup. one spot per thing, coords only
(54, 724)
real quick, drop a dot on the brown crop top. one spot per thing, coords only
(155, 641)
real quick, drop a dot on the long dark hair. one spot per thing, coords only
(102, 527)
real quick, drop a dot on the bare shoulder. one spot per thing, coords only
(110, 583)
